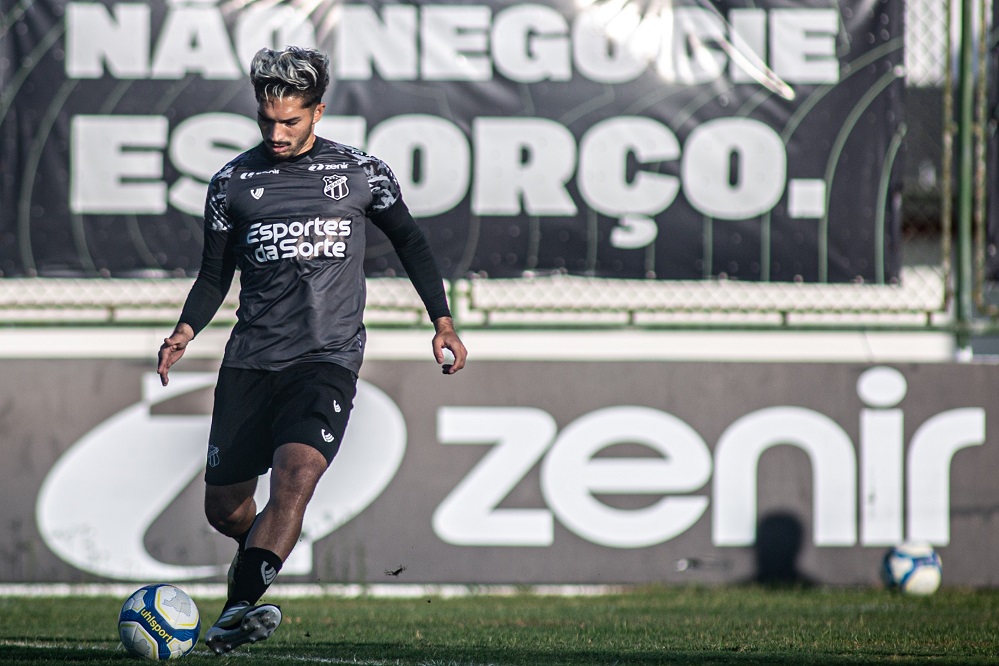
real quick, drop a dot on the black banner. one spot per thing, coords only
(749, 140)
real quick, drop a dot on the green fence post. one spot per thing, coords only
(964, 287)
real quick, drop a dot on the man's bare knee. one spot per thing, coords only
(231, 509)
(295, 474)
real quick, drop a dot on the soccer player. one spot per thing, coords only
(290, 214)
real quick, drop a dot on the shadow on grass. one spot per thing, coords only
(394, 654)
(389, 654)
(29, 654)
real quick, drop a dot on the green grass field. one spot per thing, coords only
(685, 625)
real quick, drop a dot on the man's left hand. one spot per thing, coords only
(447, 338)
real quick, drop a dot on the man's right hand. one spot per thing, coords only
(172, 349)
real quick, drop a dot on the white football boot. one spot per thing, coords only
(242, 623)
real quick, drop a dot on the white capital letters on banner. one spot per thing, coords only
(522, 161)
(603, 159)
(95, 38)
(444, 160)
(734, 168)
(104, 153)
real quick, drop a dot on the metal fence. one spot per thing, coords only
(924, 296)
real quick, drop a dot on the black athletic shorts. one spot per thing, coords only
(256, 411)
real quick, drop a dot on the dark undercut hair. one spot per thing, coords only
(293, 72)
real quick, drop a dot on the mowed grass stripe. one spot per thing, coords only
(656, 625)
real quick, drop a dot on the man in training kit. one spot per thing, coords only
(290, 214)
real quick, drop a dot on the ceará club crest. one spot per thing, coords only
(335, 186)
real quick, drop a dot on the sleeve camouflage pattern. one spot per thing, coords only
(216, 211)
(385, 189)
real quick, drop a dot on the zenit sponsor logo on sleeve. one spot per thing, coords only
(310, 239)
(250, 174)
(328, 167)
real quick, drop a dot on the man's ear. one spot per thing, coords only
(318, 113)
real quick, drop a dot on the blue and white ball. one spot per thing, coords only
(159, 622)
(913, 568)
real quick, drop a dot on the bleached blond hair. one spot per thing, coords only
(293, 72)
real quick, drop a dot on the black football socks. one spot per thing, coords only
(258, 567)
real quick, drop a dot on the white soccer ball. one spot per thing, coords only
(159, 622)
(913, 568)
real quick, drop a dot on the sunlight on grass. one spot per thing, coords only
(654, 625)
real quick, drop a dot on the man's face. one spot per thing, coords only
(287, 125)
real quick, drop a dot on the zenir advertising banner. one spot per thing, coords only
(574, 472)
(681, 140)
